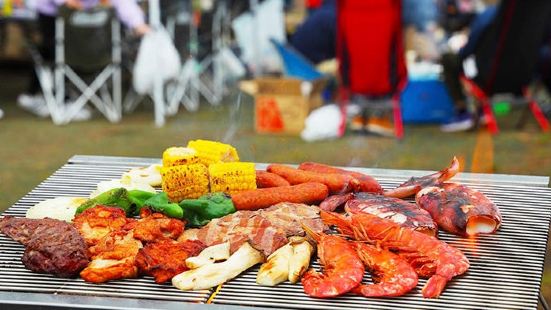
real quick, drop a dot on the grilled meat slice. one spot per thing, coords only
(166, 258)
(157, 226)
(289, 216)
(52, 246)
(113, 257)
(238, 228)
(266, 230)
(95, 223)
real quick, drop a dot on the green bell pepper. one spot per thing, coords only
(130, 201)
(160, 203)
(199, 212)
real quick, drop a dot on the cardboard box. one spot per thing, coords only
(282, 104)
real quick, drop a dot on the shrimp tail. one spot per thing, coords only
(435, 285)
(343, 224)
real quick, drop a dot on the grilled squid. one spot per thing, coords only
(459, 209)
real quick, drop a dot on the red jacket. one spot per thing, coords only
(312, 4)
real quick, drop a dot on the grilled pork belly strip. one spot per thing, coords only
(266, 230)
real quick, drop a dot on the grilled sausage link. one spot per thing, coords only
(308, 193)
(337, 183)
(266, 179)
(367, 183)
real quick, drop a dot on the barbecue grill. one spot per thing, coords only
(505, 273)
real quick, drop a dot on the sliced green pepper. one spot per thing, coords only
(130, 201)
(160, 203)
(117, 197)
(138, 199)
(199, 212)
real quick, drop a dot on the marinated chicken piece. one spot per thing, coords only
(52, 246)
(113, 258)
(95, 223)
(157, 226)
(166, 258)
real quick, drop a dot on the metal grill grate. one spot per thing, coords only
(506, 268)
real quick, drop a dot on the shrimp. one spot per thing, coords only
(414, 185)
(343, 269)
(391, 273)
(435, 257)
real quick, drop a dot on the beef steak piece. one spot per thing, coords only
(52, 246)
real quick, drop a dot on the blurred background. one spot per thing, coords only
(381, 83)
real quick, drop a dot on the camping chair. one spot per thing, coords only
(371, 54)
(206, 77)
(88, 54)
(506, 57)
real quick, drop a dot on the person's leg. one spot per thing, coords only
(46, 47)
(32, 100)
(453, 68)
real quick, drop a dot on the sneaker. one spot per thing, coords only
(461, 122)
(381, 126)
(357, 123)
(34, 104)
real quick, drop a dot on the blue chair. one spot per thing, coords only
(295, 64)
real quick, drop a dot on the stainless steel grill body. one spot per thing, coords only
(506, 268)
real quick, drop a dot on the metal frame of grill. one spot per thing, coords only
(506, 268)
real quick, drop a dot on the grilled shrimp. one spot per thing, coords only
(342, 268)
(413, 185)
(391, 273)
(419, 249)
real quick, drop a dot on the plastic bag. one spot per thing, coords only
(157, 58)
(254, 31)
(323, 123)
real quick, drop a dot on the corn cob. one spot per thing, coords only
(174, 156)
(185, 181)
(232, 177)
(213, 152)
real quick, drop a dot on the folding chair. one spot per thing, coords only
(371, 54)
(88, 55)
(506, 57)
(205, 77)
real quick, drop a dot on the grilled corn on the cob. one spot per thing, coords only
(232, 177)
(185, 181)
(174, 156)
(213, 152)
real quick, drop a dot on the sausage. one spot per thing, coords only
(308, 193)
(267, 179)
(336, 182)
(367, 183)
